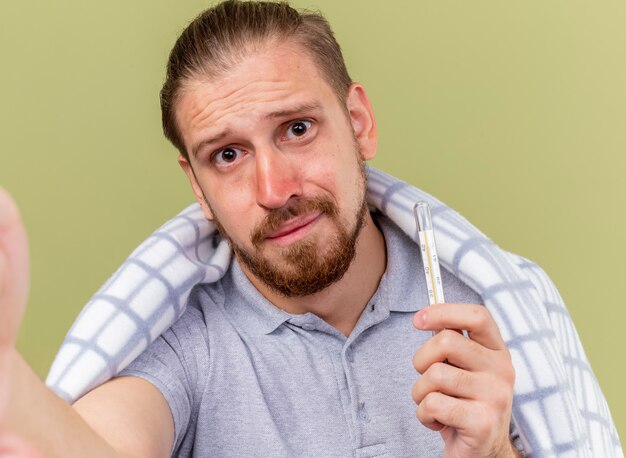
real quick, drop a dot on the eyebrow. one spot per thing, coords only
(216, 138)
(301, 108)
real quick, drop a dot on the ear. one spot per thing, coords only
(197, 190)
(362, 120)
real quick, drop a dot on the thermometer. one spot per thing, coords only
(428, 249)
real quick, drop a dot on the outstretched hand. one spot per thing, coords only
(14, 271)
(469, 400)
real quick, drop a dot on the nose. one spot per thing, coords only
(277, 178)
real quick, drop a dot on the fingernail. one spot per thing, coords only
(420, 318)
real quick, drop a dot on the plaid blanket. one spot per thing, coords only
(558, 407)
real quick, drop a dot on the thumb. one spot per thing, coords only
(14, 270)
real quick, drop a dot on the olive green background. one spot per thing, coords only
(514, 113)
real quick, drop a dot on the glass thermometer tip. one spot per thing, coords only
(428, 250)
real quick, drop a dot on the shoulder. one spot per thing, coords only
(403, 250)
(540, 280)
(185, 343)
(204, 309)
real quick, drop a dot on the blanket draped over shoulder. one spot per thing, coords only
(558, 407)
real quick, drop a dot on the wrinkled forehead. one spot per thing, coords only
(268, 80)
(256, 61)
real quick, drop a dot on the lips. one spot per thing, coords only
(293, 226)
(293, 221)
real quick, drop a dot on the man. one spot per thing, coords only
(303, 346)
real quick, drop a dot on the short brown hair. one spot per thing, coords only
(224, 34)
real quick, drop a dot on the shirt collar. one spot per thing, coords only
(402, 287)
(258, 314)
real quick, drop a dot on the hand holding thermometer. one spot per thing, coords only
(428, 250)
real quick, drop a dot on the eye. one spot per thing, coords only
(226, 156)
(298, 128)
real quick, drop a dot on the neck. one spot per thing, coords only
(341, 303)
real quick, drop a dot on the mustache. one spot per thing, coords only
(296, 206)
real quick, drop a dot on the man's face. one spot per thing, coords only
(276, 161)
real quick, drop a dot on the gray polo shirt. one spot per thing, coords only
(244, 378)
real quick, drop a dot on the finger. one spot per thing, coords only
(438, 408)
(478, 425)
(474, 318)
(452, 381)
(454, 348)
(13, 269)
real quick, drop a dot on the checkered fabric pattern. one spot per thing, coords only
(558, 407)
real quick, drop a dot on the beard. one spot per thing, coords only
(306, 266)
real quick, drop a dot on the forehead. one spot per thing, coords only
(267, 80)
